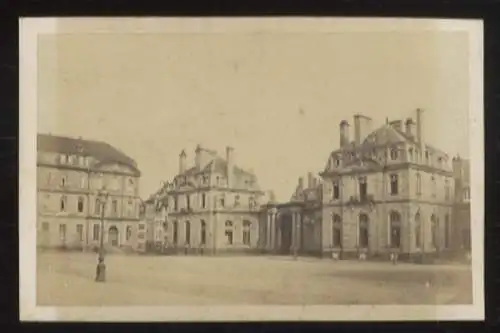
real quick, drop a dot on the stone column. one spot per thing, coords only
(299, 231)
(268, 232)
(278, 232)
(294, 231)
(273, 229)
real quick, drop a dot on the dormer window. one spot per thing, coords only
(394, 154)
(337, 162)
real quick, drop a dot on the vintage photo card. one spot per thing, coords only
(251, 169)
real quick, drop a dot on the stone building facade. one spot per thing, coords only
(70, 172)
(384, 191)
(212, 206)
(461, 211)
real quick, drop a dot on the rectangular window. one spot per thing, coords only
(62, 232)
(114, 207)
(176, 203)
(203, 200)
(142, 226)
(45, 226)
(82, 183)
(188, 201)
(95, 232)
(337, 237)
(229, 236)
(394, 184)
(336, 191)
(79, 231)
(363, 188)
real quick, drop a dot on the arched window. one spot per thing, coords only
(80, 205)
(176, 232)
(229, 232)
(395, 229)
(246, 232)
(188, 233)
(97, 207)
(336, 190)
(63, 204)
(418, 231)
(363, 231)
(446, 231)
(203, 235)
(419, 184)
(337, 231)
(434, 231)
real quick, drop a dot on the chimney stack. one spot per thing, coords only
(397, 124)
(197, 158)
(230, 165)
(301, 183)
(410, 127)
(344, 133)
(420, 125)
(362, 127)
(310, 180)
(182, 162)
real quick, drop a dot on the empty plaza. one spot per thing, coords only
(67, 279)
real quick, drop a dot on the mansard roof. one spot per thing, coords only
(102, 151)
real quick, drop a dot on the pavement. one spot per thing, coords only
(67, 279)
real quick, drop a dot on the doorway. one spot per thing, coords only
(113, 236)
(286, 233)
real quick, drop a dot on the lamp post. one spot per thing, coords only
(102, 197)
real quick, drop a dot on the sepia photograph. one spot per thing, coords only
(251, 169)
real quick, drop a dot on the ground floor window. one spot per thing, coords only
(79, 231)
(128, 234)
(446, 231)
(246, 232)
(363, 231)
(229, 232)
(62, 232)
(203, 236)
(418, 231)
(95, 232)
(176, 232)
(395, 230)
(434, 231)
(337, 231)
(188, 233)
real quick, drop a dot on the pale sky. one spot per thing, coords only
(277, 98)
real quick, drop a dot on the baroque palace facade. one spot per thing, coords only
(386, 191)
(212, 206)
(70, 173)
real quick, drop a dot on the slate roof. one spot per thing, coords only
(219, 165)
(101, 151)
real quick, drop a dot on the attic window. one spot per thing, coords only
(337, 161)
(394, 154)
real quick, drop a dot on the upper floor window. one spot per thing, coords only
(80, 204)
(440, 161)
(63, 181)
(176, 203)
(336, 190)
(81, 160)
(130, 182)
(419, 184)
(426, 156)
(466, 194)
(251, 202)
(82, 182)
(217, 180)
(63, 159)
(222, 200)
(394, 184)
(63, 203)
(446, 190)
(363, 188)
(203, 200)
(97, 208)
(433, 186)
(410, 154)
(188, 201)
(236, 200)
(114, 207)
(394, 154)
(71, 159)
(337, 162)
(130, 208)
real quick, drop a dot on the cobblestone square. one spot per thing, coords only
(67, 279)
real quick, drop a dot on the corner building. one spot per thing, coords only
(386, 190)
(70, 172)
(212, 206)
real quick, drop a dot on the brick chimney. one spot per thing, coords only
(182, 162)
(230, 165)
(362, 127)
(420, 125)
(344, 133)
(397, 124)
(410, 127)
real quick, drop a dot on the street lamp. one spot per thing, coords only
(102, 197)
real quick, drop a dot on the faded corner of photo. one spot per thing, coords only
(251, 169)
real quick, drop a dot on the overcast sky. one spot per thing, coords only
(276, 98)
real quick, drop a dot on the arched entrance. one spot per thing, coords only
(285, 224)
(113, 236)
